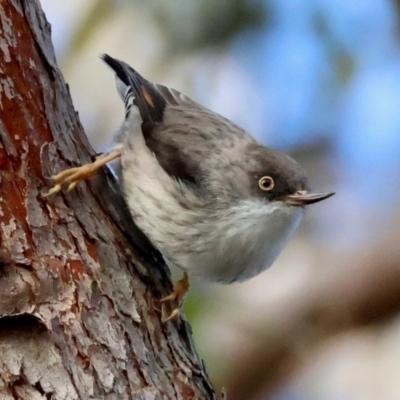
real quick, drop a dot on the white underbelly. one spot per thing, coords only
(241, 247)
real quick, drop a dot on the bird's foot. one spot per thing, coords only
(177, 296)
(73, 176)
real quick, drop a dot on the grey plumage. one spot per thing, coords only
(191, 181)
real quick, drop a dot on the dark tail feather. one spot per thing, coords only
(139, 91)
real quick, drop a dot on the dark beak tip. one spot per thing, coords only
(305, 199)
(325, 196)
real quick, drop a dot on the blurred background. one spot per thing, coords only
(318, 79)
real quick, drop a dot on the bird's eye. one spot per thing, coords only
(266, 183)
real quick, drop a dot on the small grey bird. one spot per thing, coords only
(215, 202)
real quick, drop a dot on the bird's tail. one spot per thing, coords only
(135, 90)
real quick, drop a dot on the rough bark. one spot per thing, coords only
(79, 303)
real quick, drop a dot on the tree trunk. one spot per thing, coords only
(80, 287)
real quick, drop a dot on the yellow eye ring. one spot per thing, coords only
(266, 183)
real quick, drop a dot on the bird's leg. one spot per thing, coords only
(178, 295)
(73, 176)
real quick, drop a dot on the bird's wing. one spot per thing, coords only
(172, 122)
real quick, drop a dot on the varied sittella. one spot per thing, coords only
(211, 199)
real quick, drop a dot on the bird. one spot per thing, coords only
(214, 201)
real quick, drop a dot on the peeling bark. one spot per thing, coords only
(80, 286)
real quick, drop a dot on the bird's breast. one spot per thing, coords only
(241, 242)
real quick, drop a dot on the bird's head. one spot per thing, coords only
(277, 177)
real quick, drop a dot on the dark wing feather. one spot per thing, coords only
(152, 101)
(140, 91)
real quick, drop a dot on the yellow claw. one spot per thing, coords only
(54, 189)
(178, 295)
(176, 312)
(72, 185)
(73, 176)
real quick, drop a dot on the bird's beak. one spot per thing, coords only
(303, 198)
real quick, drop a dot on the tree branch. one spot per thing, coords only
(79, 285)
